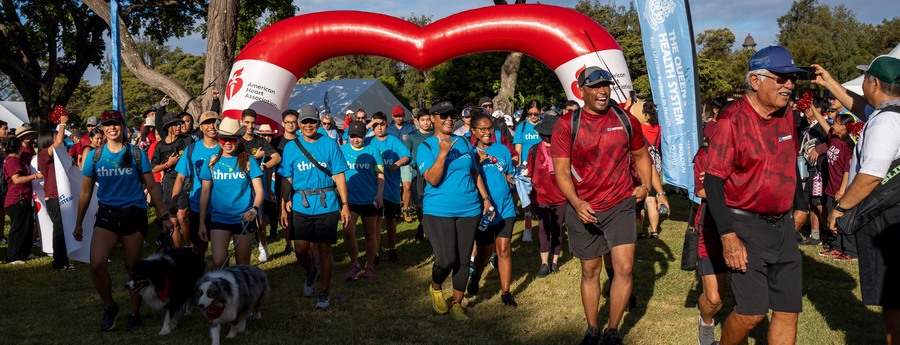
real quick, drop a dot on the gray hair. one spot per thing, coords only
(762, 73)
(890, 90)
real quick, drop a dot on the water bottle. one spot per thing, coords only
(663, 209)
(486, 219)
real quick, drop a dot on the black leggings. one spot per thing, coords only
(60, 255)
(552, 219)
(452, 240)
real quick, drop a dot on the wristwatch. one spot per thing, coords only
(840, 209)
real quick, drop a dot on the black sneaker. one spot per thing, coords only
(392, 254)
(508, 300)
(473, 287)
(554, 268)
(134, 322)
(809, 241)
(288, 250)
(108, 322)
(591, 336)
(420, 233)
(493, 260)
(544, 271)
(654, 235)
(611, 337)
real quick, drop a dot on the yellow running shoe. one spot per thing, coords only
(438, 303)
(458, 313)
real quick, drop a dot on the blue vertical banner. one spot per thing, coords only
(118, 103)
(669, 49)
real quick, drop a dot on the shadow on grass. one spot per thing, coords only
(648, 254)
(840, 308)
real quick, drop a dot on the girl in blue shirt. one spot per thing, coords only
(195, 158)
(455, 199)
(496, 168)
(227, 182)
(121, 214)
(365, 186)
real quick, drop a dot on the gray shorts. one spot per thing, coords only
(406, 173)
(614, 227)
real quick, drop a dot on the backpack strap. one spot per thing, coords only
(190, 162)
(310, 157)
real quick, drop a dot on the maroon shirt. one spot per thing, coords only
(839, 153)
(601, 156)
(544, 182)
(755, 157)
(15, 192)
(709, 244)
(46, 167)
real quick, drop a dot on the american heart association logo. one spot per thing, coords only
(234, 84)
(575, 90)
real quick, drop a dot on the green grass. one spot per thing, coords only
(41, 306)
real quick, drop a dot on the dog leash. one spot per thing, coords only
(244, 232)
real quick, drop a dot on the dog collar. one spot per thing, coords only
(165, 289)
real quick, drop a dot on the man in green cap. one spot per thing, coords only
(874, 158)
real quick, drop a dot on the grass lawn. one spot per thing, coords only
(42, 306)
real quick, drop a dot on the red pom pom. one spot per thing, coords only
(855, 128)
(58, 112)
(805, 101)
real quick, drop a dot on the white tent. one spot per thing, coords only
(14, 113)
(338, 96)
(855, 85)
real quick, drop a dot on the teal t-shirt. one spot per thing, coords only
(526, 136)
(119, 185)
(200, 156)
(362, 178)
(232, 190)
(494, 177)
(456, 195)
(304, 175)
(392, 150)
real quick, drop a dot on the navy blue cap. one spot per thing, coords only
(774, 58)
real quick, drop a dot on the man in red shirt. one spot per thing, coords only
(750, 185)
(593, 171)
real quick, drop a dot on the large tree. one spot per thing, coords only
(41, 41)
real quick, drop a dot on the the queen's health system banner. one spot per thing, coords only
(669, 50)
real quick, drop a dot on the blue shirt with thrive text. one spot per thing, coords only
(232, 190)
(456, 194)
(362, 178)
(200, 156)
(305, 176)
(392, 150)
(527, 136)
(119, 185)
(494, 177)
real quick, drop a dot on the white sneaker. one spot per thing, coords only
(526, 236)
(309, 288)
(263, 253)
(324, 301)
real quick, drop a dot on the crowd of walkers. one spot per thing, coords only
(591, 174)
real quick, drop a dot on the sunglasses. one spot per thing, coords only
(230, 141)
(396, 116)
(326, 123)
(780, 78)
(487, 105)
(308, 122)
(448, 115)
(600, 75)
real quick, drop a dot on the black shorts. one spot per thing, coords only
(773, 277)
(123, 221)
(234, 229)
(503, 229)
(194, 227)
(711, 266)
(318, 228)
(365, 210)
(391, 210)
(615, 226)
(182, 201)
(878, 260)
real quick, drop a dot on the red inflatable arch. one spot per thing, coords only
(265, 72)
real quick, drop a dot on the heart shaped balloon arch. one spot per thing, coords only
(268, 67)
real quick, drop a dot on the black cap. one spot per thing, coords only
(357, 128)
(171, 119)
(442, 107)
(545, 127)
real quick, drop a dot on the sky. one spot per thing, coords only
(756, 17)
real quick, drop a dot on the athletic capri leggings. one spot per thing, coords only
(452, 239)
(552, 219)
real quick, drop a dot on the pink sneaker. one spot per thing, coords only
(353, 272)
(370, 272)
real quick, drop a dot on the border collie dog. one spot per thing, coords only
(166, 281)
(232, 295)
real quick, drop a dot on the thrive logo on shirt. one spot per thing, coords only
(232, 175)
(532, 136)
(360, 165)
(103, 171)
(304, 166)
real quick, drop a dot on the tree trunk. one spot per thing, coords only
(509, 74)
(136, 64)
(221, 31)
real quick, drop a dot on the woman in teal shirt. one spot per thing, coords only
(454, 200)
